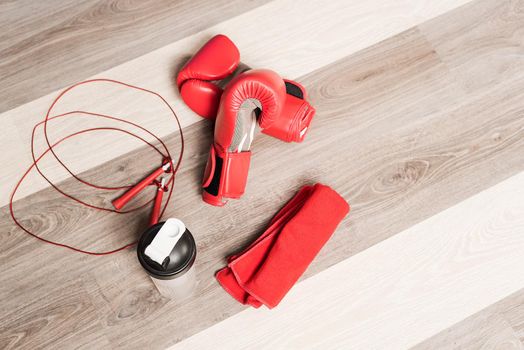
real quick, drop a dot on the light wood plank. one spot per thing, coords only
(400, 291)
(310, 42)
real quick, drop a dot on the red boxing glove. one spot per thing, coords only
(270, 266)
(216, 60)
(219, 59)
(293, 123)
(256, 96)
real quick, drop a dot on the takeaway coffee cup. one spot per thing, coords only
(167, 252)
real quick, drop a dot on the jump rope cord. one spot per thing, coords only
(166, 157)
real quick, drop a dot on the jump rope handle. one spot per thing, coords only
(157, 205)
(121, 201)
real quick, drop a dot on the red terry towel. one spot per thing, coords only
(270, 266)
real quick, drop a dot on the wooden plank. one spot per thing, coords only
(394, 134)
(49, 45)
(310, 42)
(481, 53)
(56, 317)
(400, 291)
(513, 312)
(498, 326)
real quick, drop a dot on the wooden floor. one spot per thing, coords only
(419, 125)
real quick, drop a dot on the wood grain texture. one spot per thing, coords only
(399, 291)
(499, 326)
(399, 132)
(72, 40)
(495, 44)
(310, 42)
(54, 317)
(383, 138)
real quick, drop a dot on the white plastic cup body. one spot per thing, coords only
(178, 288)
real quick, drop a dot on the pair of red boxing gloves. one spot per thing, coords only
(252, 99)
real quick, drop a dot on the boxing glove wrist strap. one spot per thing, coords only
(225, 176)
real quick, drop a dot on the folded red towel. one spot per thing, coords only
(270, 266)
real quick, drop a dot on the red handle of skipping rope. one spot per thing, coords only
(155, 213)
(121, 201)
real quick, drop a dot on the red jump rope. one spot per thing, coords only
(167, 166)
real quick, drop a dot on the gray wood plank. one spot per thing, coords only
(60, 316)
(499, 326)
(49, 45)
(481, 42)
